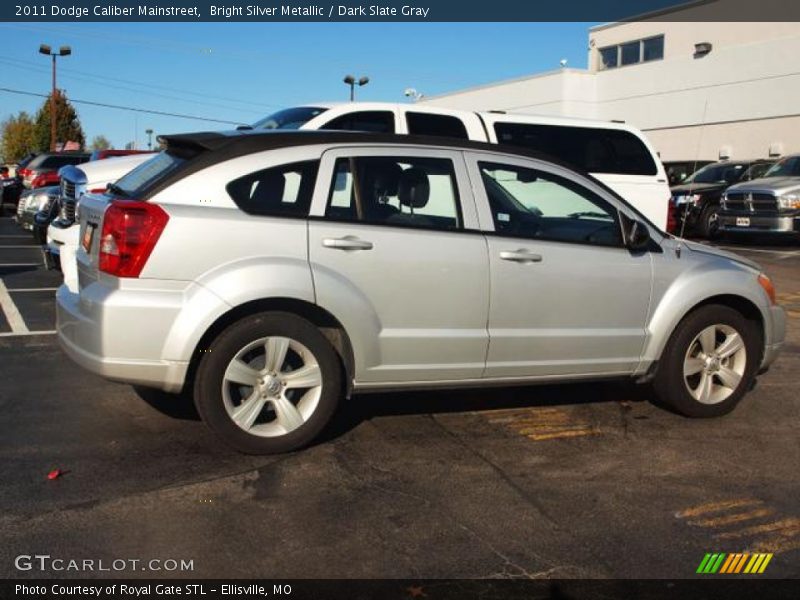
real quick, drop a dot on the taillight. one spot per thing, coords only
(43, 179)
(672, 222)
(130, 231)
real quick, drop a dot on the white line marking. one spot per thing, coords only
(14, 318)
(15, 290)
(28, 333)
(21, 265)
(2, 247)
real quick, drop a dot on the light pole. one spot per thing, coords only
(351, 81)
(47, 51)
(149, 133)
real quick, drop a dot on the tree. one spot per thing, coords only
(68, 126)
(100, 142)
(19, 137)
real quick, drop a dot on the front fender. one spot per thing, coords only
(700, 283)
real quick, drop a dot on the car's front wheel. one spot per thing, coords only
(268, 383)
(709, 222)
(710, 362)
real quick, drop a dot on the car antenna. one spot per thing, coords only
(694, 169)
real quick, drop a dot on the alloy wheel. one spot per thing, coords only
(714, 364)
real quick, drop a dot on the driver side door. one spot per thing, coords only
(566, 296)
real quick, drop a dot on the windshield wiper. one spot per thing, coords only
(115, 189)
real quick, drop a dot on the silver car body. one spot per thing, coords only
(421, 308)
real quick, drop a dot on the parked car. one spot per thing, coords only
(770, 205)
(42, 170)
(275, 274)
(615, 153)
(697, 200)
(76, 181)
(679, 170)
(10, 189)
(33, 201)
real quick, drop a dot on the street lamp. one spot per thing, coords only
(47, 51)
(351, 81)
(149, 133)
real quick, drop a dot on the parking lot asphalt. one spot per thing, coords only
(588, 480)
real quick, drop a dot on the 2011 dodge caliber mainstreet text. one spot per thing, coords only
(275, 274)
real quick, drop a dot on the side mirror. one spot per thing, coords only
(637, 235)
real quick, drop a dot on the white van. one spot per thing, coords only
(615, 153)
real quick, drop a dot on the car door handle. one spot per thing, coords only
(521, 256)
(347, 243)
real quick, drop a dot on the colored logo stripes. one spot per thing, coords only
(734, 563)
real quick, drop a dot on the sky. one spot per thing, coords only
(240, 72)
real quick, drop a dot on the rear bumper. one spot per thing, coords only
(101, 330)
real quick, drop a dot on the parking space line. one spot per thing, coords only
(20, 265)
(541, 424)
(777, 535)
(29, 333)
(19, 290)
(19, 246)
(13, 316)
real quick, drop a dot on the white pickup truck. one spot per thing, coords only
(76, 181)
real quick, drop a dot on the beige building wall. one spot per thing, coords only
(740, 100)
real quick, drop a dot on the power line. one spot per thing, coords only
(8, 63)
(128, 108)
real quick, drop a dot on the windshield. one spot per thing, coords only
(718, 173)
(787, 167)
(290, 118)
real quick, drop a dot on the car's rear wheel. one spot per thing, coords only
(709, 363)
(268, 383)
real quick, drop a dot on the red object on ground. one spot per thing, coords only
(55, 474)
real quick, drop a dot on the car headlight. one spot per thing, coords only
(42, 202)
(789, 200)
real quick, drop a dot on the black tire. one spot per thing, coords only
(708, 224)
(208, 395)
(669, 382)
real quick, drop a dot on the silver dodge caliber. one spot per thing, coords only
(275, 274)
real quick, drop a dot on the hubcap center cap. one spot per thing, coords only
(713, 364)
(271, 385)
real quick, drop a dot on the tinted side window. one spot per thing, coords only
(438, 125)
(401, 191)
(530, 204)
(376, 121)
(591, 149)
(280, 191)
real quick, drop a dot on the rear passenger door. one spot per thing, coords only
(396, 256)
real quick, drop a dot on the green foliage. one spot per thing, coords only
(68, 126)
(18, 137)
(100, 142)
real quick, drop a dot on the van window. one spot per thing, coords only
(285, 190)
(437, 125)
(375, 121)
(592, 149)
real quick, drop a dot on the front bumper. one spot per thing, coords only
(776, 334)
(734, 222)
(101, 329)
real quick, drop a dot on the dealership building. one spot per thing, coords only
(699, 90)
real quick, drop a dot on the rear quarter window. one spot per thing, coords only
(436, 125)
(149, 173)
(282, 191)
(591, 149)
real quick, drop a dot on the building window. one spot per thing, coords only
(631, 53)
(608, 57)
(653, 49)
